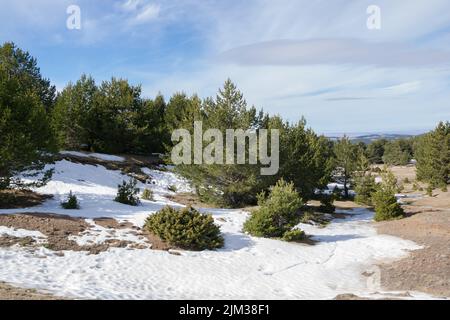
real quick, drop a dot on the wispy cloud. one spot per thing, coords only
(335, 51)
(131, 5)
(148, 13)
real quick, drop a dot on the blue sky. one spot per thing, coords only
(297, 58)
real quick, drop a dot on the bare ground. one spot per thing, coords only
(428, 224)
(14, 199)
(8, 292)
(58, 229)
(425, 270)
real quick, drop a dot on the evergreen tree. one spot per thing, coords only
(74, 115)
(433, 156)
(345, 162)
(384, 200)
(26, 137)
(118, 107)
(277, 214)
(151, 135)
(397, 152)
(227, 184)
(305, 158)
(375, 151)
(364, 181)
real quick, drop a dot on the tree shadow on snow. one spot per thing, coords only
(235, 241)
(336, 238)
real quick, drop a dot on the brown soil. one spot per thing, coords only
(428, 224)
(110, 223)
(9, 241)
(58, 229)
(426, 270)
(8, 292)
(157, 243)
(17, 199)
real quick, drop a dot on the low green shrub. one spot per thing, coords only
(71, 203)
(147, 194)
(127, 193)
(386, 205)
(186, 228)
(277, 213)
(327, 204)
(294, 235)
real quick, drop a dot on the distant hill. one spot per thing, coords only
(367, 138)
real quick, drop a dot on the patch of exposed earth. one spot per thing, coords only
(8, 292)
(77, 234)
(14, 199)
(425, 270)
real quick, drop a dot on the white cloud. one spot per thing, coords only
(148, 13)
(131, 5)
(335, 51)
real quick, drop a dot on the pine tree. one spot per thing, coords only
(26, 137)
(397, 152)
(74, 117)
(345, 162)
(433, 156)
(375, 151)
(305, 158)
(364, 181)
(228, 185)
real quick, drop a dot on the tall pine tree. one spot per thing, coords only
(26, 137)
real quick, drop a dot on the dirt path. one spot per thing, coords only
(8, 292)
(426, 270)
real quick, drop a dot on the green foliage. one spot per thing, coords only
(277, 213)
(386, 206)
(185, 228)
(375, 151)
(346, 160)
(326, 203)
(365, 187)
(294, 235)
(397, 152)
(305, 158)
(147, 194)
(26, 137)
(406, 181)
(110, 118)
(71, 203)
(432, 152)
(127, 193)
(384, 200)
(389, 181)
(172, 188)
(224, 185)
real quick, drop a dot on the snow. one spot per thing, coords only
(98, 235)
(246, 268)
(107, 157)
(100, 156)
(22, 233)
(162, 180)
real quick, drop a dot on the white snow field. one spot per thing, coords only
(246, 268)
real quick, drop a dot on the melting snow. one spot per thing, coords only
(246, 268)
